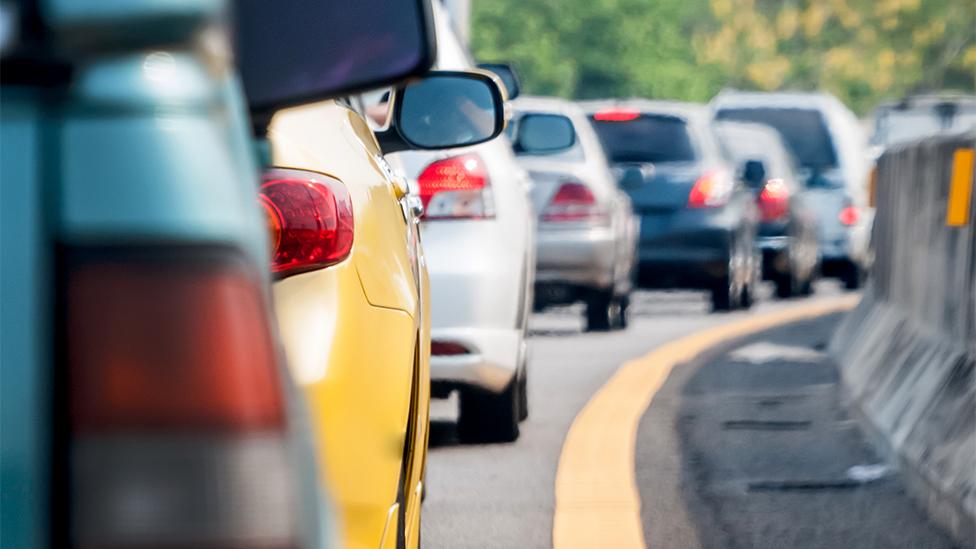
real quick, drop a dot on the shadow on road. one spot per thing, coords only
(567, 321)
(443, 433)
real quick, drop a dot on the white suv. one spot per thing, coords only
(477, 233)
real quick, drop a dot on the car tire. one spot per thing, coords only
(750, 294)
(806, 289)
(489, 417)
(601, 311)
(724, 295)
(721, 296)
(786, 286)
(853, 277)
(523, 395)
(624, 304)
(747, 298)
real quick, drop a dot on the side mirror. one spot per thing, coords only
(544, 134)
(445, 109)
(508, 75)
(284, 59)
(754, 173)
(631, 178)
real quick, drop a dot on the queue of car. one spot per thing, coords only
(235, 274)
(787, 234)
(829, 147)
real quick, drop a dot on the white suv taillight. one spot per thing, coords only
(574, 202)
(456, 188)
(774, 201)
(174, 420)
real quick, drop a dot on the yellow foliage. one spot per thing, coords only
(768, 74)
(722, 8)
(969, 58)
(787, 21)
(720, 47)
(849, 18)
(762, 38)
(887, 59)
(813, 19)
(888, 8)
(844, 62)
(883, 76)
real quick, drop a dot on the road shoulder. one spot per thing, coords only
(750, 445)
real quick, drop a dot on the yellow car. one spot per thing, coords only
(351, 294)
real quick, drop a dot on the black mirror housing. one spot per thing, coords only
(631, 178)
(445, 109)
(285, 61)
(508, 75)
(754, 173)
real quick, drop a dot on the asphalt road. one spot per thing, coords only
(694, 478)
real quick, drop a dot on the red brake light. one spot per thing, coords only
(774, 200)
(158, 346)
(616, 115)
(456, 188)
(573, 201)
(710, 190)
(310, 218)
(850, 215)
(174, 417)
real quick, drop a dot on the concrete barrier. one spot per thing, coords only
(908, 351)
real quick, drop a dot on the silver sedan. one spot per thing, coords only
(586, 233)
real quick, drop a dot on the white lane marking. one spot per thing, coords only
(764, 351)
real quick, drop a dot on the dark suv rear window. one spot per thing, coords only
(648, 138)
(803, 129)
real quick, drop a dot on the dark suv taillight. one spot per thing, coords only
(176, 420)
(711, 190)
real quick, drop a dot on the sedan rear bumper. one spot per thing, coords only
(490, 363)
(687, 248)
(692, 271)
(776, 256)
(579, 257)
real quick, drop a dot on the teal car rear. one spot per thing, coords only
(143, 399)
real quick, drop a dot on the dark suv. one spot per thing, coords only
(698, 221)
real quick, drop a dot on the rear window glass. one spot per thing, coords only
(648, 138)
(803, 129)
(893, 126)
(746, 145)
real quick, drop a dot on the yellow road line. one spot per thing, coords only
(960, 188)
(597, 502)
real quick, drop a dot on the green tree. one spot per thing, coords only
(861, 50)
(595, 48)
